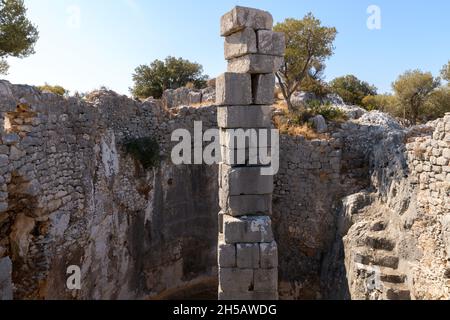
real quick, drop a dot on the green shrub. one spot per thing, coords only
(330, 113)
(58, 90)
(144, 150)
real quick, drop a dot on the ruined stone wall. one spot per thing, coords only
(71, 196)
(395, 235)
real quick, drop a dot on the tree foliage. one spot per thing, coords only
(151, 80)
(17, 34)
(308, 45)
(445, 72)
(413, 88)
(438, 104)
(54, 89)
(319, 87)
(352, 90)
(382, 102)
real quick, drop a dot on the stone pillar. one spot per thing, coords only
(247, 252)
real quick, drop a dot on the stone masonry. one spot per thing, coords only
(247, 251)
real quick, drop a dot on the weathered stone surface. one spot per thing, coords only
(235, 279)
(253, 116)
(263, 88)
(20, 235)
(187, 97)
(226, 254)
(249, 157)
(446, 235)
(246, 138)
(255, 64)
(265, 296)
(245, 181)
(242, 17)
(6, 290)
(246, 205)
(247, 255)
(240, 43)
(50, 177)
(16, 154)
(271, 43)
(319, 123)
(236, 295)
(269, 255)
(234, 89)
(266, 280)
(251, 229)
(3, 160)
(10, 139)
(249, 295)
(5, 88)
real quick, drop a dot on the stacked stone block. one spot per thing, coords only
(247, 252)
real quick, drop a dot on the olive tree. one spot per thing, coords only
(308, 45)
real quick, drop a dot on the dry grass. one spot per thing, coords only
(303, 130)
(284, 123)
(296, 129)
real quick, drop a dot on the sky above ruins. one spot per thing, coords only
(85, 44)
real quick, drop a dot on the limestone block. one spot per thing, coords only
(226, 254)
(234, 279)
(240, 43)
(249, 229)
(11, 138)
(319, 123)
(6, 291)
(4, 160)
(236, 295)
(255, 64)
(263, 86)
(441, 161)
(266, 280)
(246, 205)
(246, 157)
(265, 296)
(234, 89)
(269, 255)
(238, 181)
(247, 255)
(271, 43)
(242, 17)
(246, 138)
(249, 295)
(254, 116)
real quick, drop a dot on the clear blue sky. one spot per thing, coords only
(111, 37)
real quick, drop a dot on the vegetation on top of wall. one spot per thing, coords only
(299, 122)
(326, 110)
(58, 90)
(145, 150)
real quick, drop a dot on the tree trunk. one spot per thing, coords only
(289, 103)
(286, 94)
